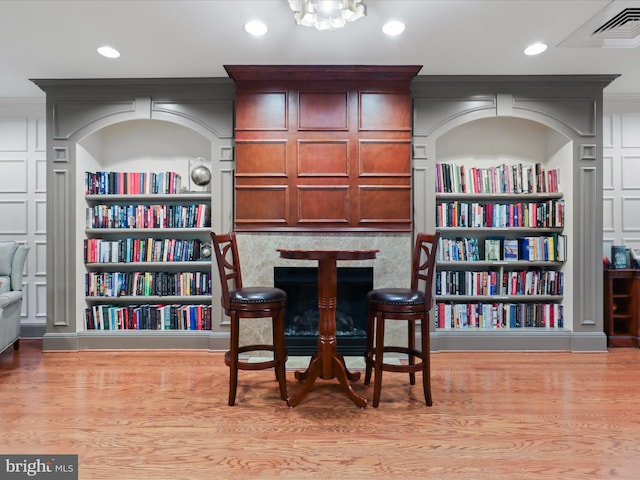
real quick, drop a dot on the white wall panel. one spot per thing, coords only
(40, 255)
(23, 146)
(630, 170)
(630, 129)
(41, 176)
(13, 134)
(41, 299)
(41, 135)
(630, 216)
(607, 172)
(41, 217)
(13, 175)
(631, 242)
(13, 217)
(608, 204)
(607, 131)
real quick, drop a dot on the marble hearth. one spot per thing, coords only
(259, 256)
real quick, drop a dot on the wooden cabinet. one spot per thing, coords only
(621, 288)
(323, 148)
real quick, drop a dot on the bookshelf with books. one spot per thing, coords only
(501, 249)
(145, 253)
(127, 214)
(531, 147)
(143, 236)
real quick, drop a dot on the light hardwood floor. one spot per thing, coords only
(164, 415)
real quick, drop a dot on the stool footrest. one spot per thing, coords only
(403, 368)
(258, 365)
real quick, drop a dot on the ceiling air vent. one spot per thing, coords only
(615, 26)
(625, 24)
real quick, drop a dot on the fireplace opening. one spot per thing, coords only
(302, 315)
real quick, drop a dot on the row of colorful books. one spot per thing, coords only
(458, 250)
(499, 315)
(148, 317)
(148, 216)
(543, 248)
(502, 178)
(522, 282)
(545, 214)
(97, 250)
(551, 248)
(116, 284)
(131, 183)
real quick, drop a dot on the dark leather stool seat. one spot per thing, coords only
(257, 295)
(396, 296)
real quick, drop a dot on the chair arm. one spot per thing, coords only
(9, 298)
(17, 266)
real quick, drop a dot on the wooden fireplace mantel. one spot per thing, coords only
(268, 74)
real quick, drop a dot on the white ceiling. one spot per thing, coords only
(58, 39)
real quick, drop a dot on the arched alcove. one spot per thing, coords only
(123, 150)
(132, 126)
(502, 143)
(554, 121)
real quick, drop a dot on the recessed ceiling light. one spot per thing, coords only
(255, 28)
(393, 28)
(108, 52)
(535, 49)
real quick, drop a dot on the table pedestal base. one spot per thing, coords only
(327, 363)
(338, 370)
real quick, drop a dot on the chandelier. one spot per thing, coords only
(327, 14)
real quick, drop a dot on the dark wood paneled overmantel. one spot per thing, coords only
(323, 148)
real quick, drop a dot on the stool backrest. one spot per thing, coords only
(226, 250)
(423, 266)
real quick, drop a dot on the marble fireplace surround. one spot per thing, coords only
(391, 268)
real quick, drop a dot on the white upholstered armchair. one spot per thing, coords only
(12, 258)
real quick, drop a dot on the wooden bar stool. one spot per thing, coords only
(404, 304)
(249, 302)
